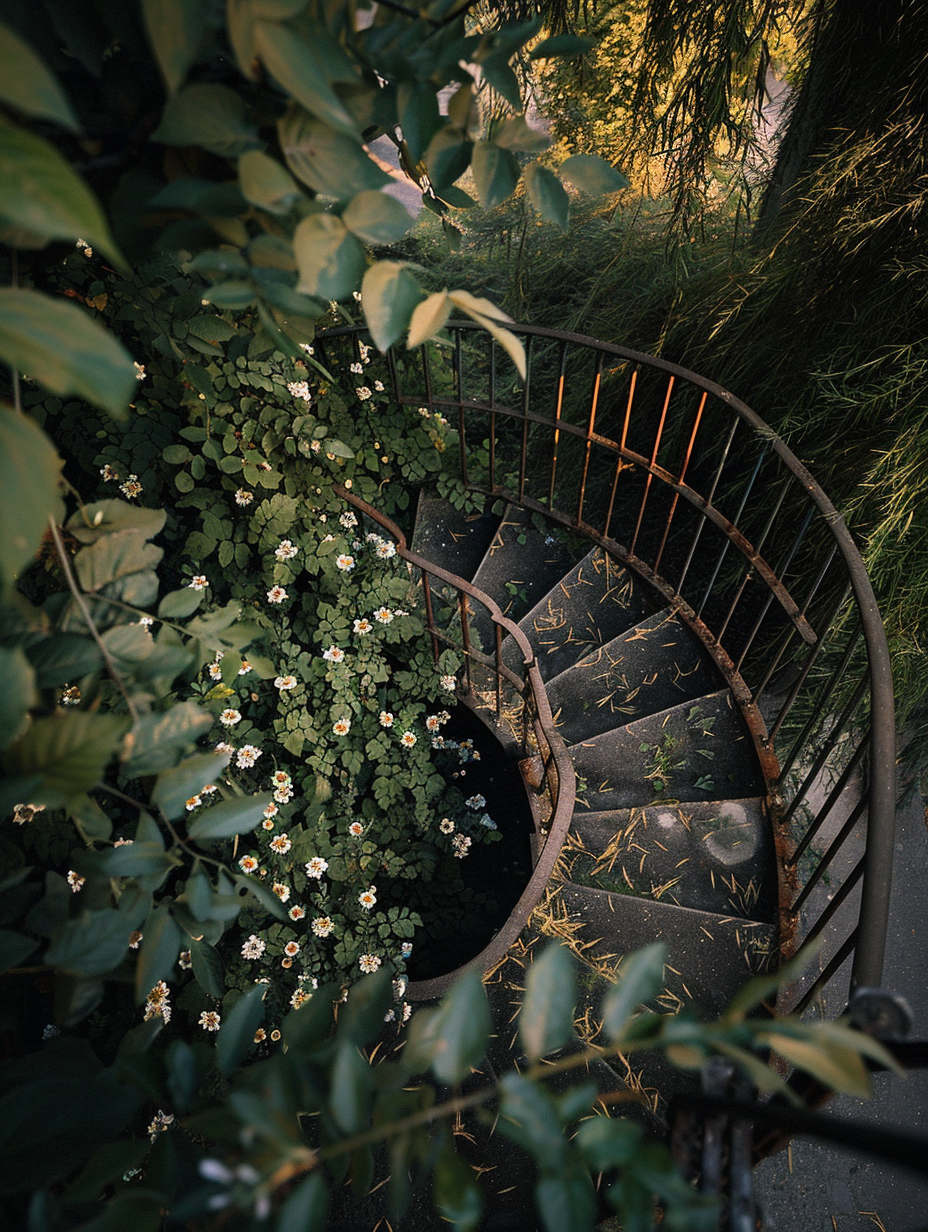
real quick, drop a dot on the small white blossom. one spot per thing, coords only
(285, 550)
(198, 583)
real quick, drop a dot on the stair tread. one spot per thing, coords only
(592, 603)
(521, 563)
(622, 768)
(450, 538)
(710, 956)
(643, 670)
(715, 855)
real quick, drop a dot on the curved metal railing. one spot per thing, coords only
(687, 486)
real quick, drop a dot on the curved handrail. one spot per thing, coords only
(680, 488)
(555, 831)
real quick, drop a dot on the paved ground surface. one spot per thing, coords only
(814, 1188)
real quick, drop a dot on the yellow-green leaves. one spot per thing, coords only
(389, 297)
(63, 756)
(332, 163)
(265, 183)
(29, 489)
(28, 86)
(592, 174)
(376, 218)
(546, 1020)
(330, 260)
(63, 348)
(495, 172)
(209, 115)
(175, 31)
(432, 314)
(301, 73)
(640, 979)
(547, 194)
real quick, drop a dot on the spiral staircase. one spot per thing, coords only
(668, 625)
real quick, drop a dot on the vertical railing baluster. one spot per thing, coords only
(559, 406)
(620, 462)
(465, 639)
(492, 414)
(680, 480)
(430, 615)
(758, 548)
(650, 476)
(708, 503)
(591, 423)
(781, 573)
(499, 675)
(526, 387)
(825, 750)
(806, 668)
(459, 381)
(734, 526)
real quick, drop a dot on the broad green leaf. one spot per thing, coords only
(362, 1020)
(232, 294)
(501, 76)
(161, 943)
(547, 194)
(28, 86)
(209, 115)
(157, 740)
(763, 986)
(92, 823)
(259, 891)
(307, 1207)
(265, 183)
(229, 817)
(389, 295)
(92, 945)
(495, 171)
(17, 692)
(561, 45)
(458, 1197)
(180, 603)
(515, 134)
(119, 555)
(94, 521)
(14, 947)
(139, 859)
(330, 162)
(173, 788)
(330, 260)
(605, 1143)
(761, 1075)
(237, 1032)
(64, 349)
(836, 1065)
(640, 978)
(66, 753)
(508, 341)
(175, 31)
(107, 1164)
(447, 157)
(29, 491)
(592, 174)
(428, 318)
(566, 1201)
(63, 658)
(377, 218)
(351, 1087)
(528, 1115)
(462, 1026)
(420, 120)
(295, 65)
(546, 1019)
(207, 968)
(43, 193)
(844, 1036)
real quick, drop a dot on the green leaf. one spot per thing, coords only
(119, 555)
(377, 218)
(419, 117)
(515, 134)
(330, 260)
(175, 31)
(546, 1019)
(64, 349)
(836, 1065)
(640, 978)
(265, 183)
(173, 788)
(209, 115)
(389, 295)
(461, 1028)
(62, 658)
(67, 754)
(180, 603)
(447, 157)
(592, 174)
(161, 943)
(350, 1090)
(28, 86)
(528, 1115)
(605, 1143)
(487, 315)
(157, 740)
(237, 1032)
(547, 195)
(458, 1197)
(30, 485)
(501, 76)
(561, 45)
(14, 947)
(428, 318)
(43, 193)
(566, 1201)
(92, 945)
(17, 691)
(91, 821)
(295, 65)
(267, 898)
(92, 522)
(371, 997)
(207, 968)
(307, 1207)
(230, 817)
(495, 171)
(232, 294)
(330, 162)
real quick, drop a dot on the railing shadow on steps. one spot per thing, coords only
(689, 488)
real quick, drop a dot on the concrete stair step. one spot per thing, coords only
(454, 540)
(644, 670)
(698, 750)
(591, 604)
(710, 956)
(714, 855)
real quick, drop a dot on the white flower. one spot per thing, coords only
(283, 795)
(344, 562)
(383, 615)
(369, 963)
(432, 723)
(300, 996)
(198, 583)
(378, 387)
(140, 376)
(475, 802)
(386, 718)
(367, 898)
(75, 881)
(357, 368)
(356, 829)
(215, 671)
(305, 346)
(131, 488)
(248, 864)
(209, 1020)
(192, 803)
(254, 947)
(407, 740)
(363, 626)
(300, 389)
(316, 867)
(334, 654)
(281, 844)
(282, 891)
(285, 682)
(448, 683)
(322, 926)
(406, 949)
(341, 727)
(244, 497)
(296, 912)
(363, 393)
(348, 520)
(276, 594)
(224, 747)
(108, 474)
(245, 668)
(446, 825)
(385, 550)
(286, 550)
(460, 843)
(229, 718)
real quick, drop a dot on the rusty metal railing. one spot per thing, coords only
(684, 484)
(493, 683)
